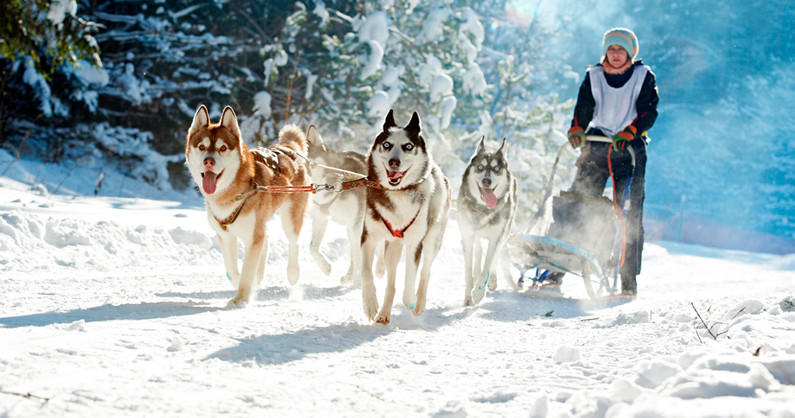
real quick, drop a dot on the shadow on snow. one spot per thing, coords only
(509, 306)
(269, 293)
(135, 312)
(294, 346)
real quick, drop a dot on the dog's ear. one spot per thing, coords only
(503, 149)
(200, 119)
(481, 145)
(414, 124)
(389, 122)
(313, 138)
(229, 121)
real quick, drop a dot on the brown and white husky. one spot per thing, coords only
(233, 179)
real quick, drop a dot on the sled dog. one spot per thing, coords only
(486, 209)
(408, 204)
(344, 207)
(233, 180)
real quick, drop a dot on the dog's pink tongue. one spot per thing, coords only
(394, 175)
(489, 198)
(208, 182)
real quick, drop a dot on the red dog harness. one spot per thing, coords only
(398, 233)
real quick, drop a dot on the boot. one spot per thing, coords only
(554, 279)
(628, 285)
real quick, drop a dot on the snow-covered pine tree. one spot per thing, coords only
(402, 55)
(44, 47)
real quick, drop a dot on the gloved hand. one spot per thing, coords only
(576, 136)
(620, 139)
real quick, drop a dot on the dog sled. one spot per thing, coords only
(586, 239)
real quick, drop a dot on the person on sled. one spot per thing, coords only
(618, 99)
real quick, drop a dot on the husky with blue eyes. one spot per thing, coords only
(408, 203)
(486, 209)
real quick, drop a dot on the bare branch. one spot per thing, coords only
(702, 321)
(26, 395)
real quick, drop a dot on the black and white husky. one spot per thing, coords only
(486, 209)
(343, 207)
(408, 203)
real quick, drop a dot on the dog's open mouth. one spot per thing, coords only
(488, 197)
(209, 180)
(395, 177)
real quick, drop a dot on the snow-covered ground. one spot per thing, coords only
(115, 306)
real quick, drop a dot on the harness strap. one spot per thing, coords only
(350, 184)
(398, 233)
(224, 223)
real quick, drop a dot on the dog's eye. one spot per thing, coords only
(480, 167)
(408, 147)
(496, 169)
(387, 145)
(223, 148)
(201, 147)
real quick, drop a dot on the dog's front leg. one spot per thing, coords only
(228, 243)
(354, 240)
(250, 264)
(319, 225)
(392, 252)
(369, 298)
(430, 251)
(467, 242)
(479, 287)
(505, 266)
(292, 220)
(263, 262)
(413, 256)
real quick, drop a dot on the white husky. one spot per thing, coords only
(343, 207)
(408, 204)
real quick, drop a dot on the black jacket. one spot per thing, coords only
(646, 105)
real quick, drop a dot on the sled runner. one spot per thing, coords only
(586, 238)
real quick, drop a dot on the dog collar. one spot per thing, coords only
(398, 233)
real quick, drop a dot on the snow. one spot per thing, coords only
(262, 104)
(116, 306)
(372, 61)
(474, 81)
(379, 103)
(433, 27)
(59, 9)
(441, 87)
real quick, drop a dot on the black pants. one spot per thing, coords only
(591, 178)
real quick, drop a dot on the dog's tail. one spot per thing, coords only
(291, 136)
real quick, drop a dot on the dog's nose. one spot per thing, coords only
(209, 162)
(394, 163)
(486, 182)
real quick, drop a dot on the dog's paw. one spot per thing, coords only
(293, 275)
(322, 263)
(237, 303)
(369, 303)
(419, 307)
(347, 278)
(468, 299)
(493, 283)
(383, 318)
(477, 293)
(409, 301)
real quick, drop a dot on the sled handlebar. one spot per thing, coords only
(599, 138)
